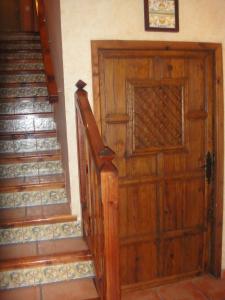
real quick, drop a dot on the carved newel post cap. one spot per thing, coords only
(80, 84)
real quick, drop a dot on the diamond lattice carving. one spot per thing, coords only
(157, 118)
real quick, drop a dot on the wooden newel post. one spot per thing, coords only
(109, 183)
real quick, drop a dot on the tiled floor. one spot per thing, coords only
(72, 290)
(201, 288)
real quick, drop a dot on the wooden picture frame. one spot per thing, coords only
(161, 15)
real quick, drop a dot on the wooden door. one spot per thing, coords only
(155, 111)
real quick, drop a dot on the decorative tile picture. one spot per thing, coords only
(161, 15)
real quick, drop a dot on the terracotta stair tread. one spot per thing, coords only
(80, 289)
(38, 221)
(19, 41)
(25, 135)
(30, 157)
(41, 211)
(19, 72)
(33, 99)
(35, 181)
(42, 248)
(19, 186)
(26, 116)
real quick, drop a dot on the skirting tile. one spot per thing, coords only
(47, 274)
(34, 198)
(46, 232)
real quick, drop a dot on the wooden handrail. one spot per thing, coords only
(51, 83)
(99, 198)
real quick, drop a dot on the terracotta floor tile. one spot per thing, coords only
(32, 293)
(71, 290)
(211, 287)
(180, 291)
(141, 295)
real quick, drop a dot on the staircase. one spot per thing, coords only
(42, 253)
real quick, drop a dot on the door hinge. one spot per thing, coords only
(209, 166)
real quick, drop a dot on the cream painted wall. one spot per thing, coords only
(83, 21)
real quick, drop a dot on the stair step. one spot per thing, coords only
(39, 232)
(27, 91)
(41, 211)
(27, 123)
(38, 221)
(22, 66)
(29, 146)
(14, 55)
(34, 157)
(11, 36)
(45, 270)
(22, 78)
(25, 107)
(31, 183)
(20, 45)
(32, 198)
(82, 289)
(30, 169)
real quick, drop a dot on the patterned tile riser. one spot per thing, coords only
(25, 107)
(30, 169)
(34, 198)
(29, 123)
(23, 78)
(35, 233)
(23, 92)
(21, 66)
(18, 46)
(47, 274)
(29, 145)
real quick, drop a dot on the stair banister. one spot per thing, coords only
(51, 83)
(99, 198)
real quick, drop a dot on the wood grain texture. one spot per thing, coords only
(51, 83)
(165, 204)
(99, 198)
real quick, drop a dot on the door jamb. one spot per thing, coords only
(216, 49)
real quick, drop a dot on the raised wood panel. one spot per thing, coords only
(175, 215)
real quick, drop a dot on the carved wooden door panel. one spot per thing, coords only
(156, 114)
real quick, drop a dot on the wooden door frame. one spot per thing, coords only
(218, 116)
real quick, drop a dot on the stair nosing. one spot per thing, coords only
(31, 262)
(38, 221)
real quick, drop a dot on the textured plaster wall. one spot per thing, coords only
(83, 21)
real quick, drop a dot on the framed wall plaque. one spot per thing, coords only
(161, 15)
